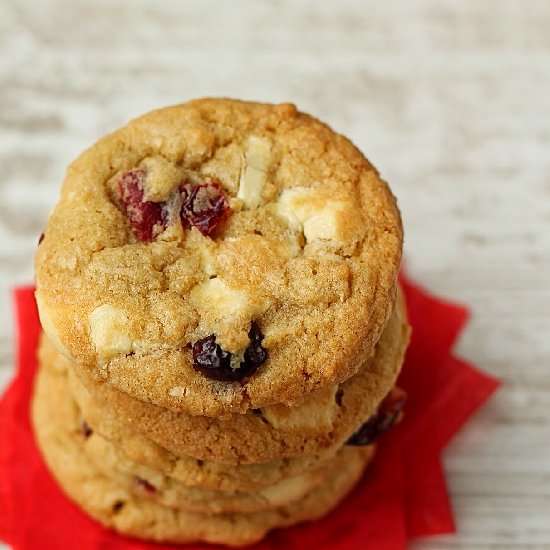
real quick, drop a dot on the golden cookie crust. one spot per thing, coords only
(310, 251)
(61, 441)
(322, 424)
(146, 482)
(165, 490)
(204, 474)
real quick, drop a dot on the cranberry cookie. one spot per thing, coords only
(326, 419)
(220, 256)
(62, 441)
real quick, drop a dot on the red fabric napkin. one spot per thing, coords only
(402, 496)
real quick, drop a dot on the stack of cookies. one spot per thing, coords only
(223, 326)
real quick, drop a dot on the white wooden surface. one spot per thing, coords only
(451, 100)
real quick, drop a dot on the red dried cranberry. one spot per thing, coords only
(145, 485)
(254, 355)
(204, 206)
(388, 414)
(212, 361)
(146, 217)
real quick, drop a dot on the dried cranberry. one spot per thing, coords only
(212, 361)
(145, 485)
(254, 355)
(204, 206)
(146, 217)
(388, 414)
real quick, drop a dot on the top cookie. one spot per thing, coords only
(219, 255)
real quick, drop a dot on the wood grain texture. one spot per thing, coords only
(449, 99)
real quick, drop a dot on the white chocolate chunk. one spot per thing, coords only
(317, 411)
(218, 301)
(177, 391)
(320, 217)
(325, 225)
(226, 312)
(253, 177)
(287, 490)
(288, 208)
(108, 332)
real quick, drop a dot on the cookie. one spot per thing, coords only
(190, 471)
(203, 473)
(61, 442)
(167, 491)
(220, 256)
(156, 486)
(324, 422)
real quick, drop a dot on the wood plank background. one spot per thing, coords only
(451, 100)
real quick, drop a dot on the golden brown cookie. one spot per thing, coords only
(204, 473)
(220, 256)
(156, 486)
(62, 443)
(145, 482)
(186, 469)
(323, 423)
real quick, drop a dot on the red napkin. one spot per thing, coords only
(402, 496)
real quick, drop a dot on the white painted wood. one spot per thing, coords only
(451, 100)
